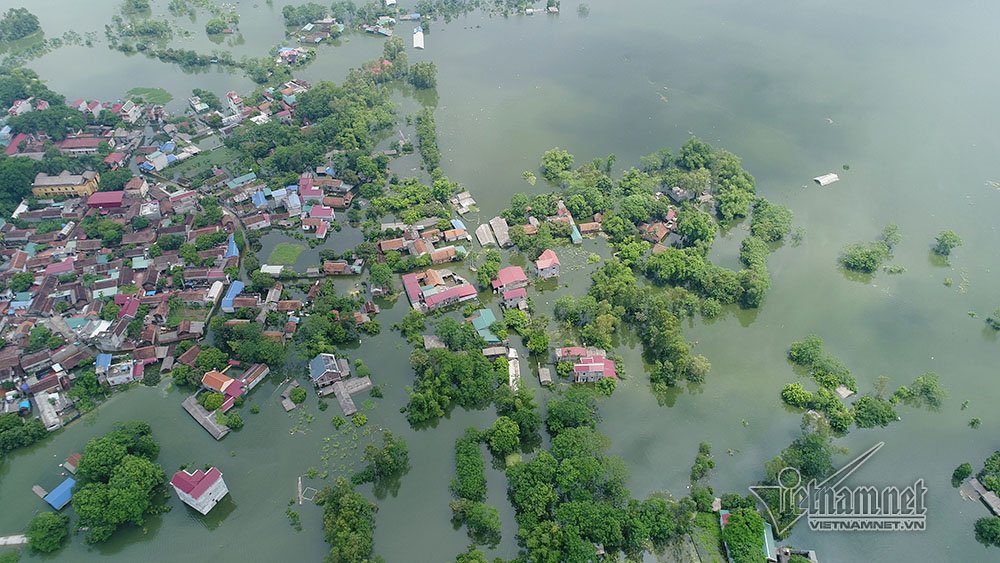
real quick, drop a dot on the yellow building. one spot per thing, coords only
(65, 184)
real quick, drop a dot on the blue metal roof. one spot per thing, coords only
(258, 199)
(235, 289)
(231, 249)
(575, 235)
(457, 224)
(60, 496)
(103, 361)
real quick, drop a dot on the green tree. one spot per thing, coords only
(380, 275)
(388, 462)
(962, 472)
(22, 281)
(470, 475)
(211, 401)
(744, 536)
(348, 523)
(215, 26)
(18, 23)
(423, 75)
(871, 411)
(988, 530)
(481, 520)
(211, 358)
(555, 163)
(771, 222)
(696, 227)
(945, 242)
(47, 532)
(504, 436)
(298, 395)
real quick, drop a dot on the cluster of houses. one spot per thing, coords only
(278, 104)
(310, 204)
(111, 300)
(425, 238)
(320, 30)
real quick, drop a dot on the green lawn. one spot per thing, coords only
(151, 95)
(204, 161)
(285, 253)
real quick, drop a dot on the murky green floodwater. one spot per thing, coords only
(911, 94)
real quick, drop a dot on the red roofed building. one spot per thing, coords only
(200, 490)
(115, 160)
(222, 383)
(511, 277)
(547, 264)
(60, 268)
(106, 200)
(15, 144)
(456, 294)
(515, 298)
(593, 368)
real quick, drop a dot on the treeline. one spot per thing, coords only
(868, 411)
(348, 523)
(18, 23)
(572, 496)
(427, 140)
(17, 432)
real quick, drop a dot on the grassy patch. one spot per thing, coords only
(204, 161)
(151, 95)
(285, 253)
(707, 536)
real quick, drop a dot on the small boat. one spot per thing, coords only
(418, 38)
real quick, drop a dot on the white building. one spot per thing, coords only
(200, 490)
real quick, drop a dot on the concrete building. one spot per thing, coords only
(65, 184)
(200, 490)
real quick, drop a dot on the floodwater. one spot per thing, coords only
(897, 91)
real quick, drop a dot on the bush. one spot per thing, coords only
(210, 401)
(359, 420)
(962, 472)
(47, 532)
(235, 421)
(988, 530)
(870, 412)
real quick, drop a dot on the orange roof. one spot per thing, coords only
(216, 380)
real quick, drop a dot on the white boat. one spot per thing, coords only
(418, 38)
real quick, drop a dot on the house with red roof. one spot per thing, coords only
(106, 200)
(511, 277)
(201, 490)
(593, 368)
(221, 383)
(547, 265)
(515, 298)
(115, 160)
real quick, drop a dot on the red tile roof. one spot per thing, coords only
(509, 275)
(195, 484)
(106, 199)
(547, 259)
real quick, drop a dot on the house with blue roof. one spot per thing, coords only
(258, 199)
(61, 495)
(458, 224)
(575, 236)
(235, 289)
(231, 249)
(102, 363)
